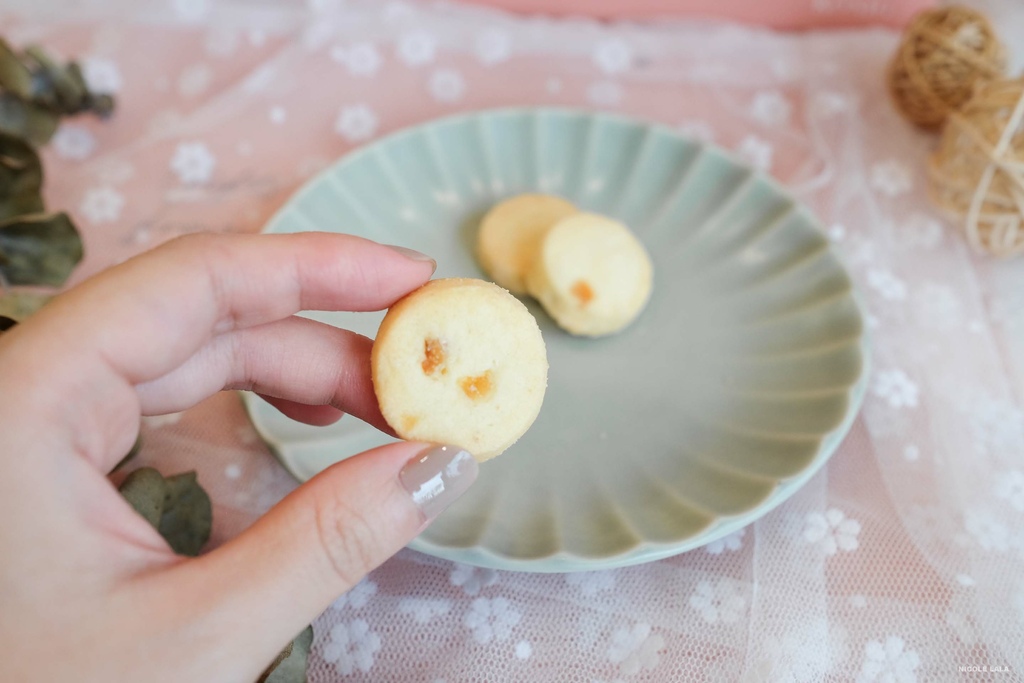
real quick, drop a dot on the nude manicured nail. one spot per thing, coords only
(411, 253)
(437, 477)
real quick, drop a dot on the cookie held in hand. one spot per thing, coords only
(462, 362)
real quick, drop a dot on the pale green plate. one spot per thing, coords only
(733, 387)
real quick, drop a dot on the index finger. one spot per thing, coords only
(149, 314)
(84, 353)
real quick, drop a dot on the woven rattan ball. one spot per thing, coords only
(944, 53)
(977, 172)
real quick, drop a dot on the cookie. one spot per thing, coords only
(591, 274)
(461, 362)
(511, 232)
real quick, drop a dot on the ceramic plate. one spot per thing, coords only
(733, 387)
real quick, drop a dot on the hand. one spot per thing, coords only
(88, 590)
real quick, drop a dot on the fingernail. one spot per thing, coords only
(411, 254)
(437, 477)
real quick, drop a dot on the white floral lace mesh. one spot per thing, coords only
(901, 561)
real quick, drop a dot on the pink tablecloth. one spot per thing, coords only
(902, 561)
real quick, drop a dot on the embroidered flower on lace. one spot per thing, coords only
(892, 178)
(920, 231)
(423, 610)
(356, 122)
(73, 142)
(731, 543)
(102, 205)
(447, 85)
(358, 596)
(472, 579)
(193, 163)
(492, 46)
(889, 662)
(417, 48)
(101, 75)
(826, 104)
(722, 601)
(937, 307)
(997, 426)
(771, 108)
(635, 649)
(887, 284)
(757, 152)
(351, 646)
(1010, 487)
(591, 583)
(804, 653)
(612, 56)
(361, 59)
(832, 531)
(987, 530)
(896, 388)
(491, 619)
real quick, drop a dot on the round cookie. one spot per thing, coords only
(510, 235)
(461, 362)
(591, 274)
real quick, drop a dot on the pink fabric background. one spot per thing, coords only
(784, 14)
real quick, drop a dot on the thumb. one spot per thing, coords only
(275, 578)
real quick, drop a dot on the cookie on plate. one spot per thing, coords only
(460, 361)
(591, 274)
(510, 235)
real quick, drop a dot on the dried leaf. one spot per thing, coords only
(281, 656)
(26, 119)
(39, 249)
(146, 490)
(188, 515)
(291, 668)
(56, 86)
(20, 205)
(101, 104)
(177, 507)
(14, 75)
(19, 305)
(36, 90)
(21, 171)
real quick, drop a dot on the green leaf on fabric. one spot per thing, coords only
(146, 491)
(27, 119)
(21, 171)
(42, 84)
(41, 249)
(188, 515)
(19, 305)
(290, 666)
(176, 506)
(14, 74)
